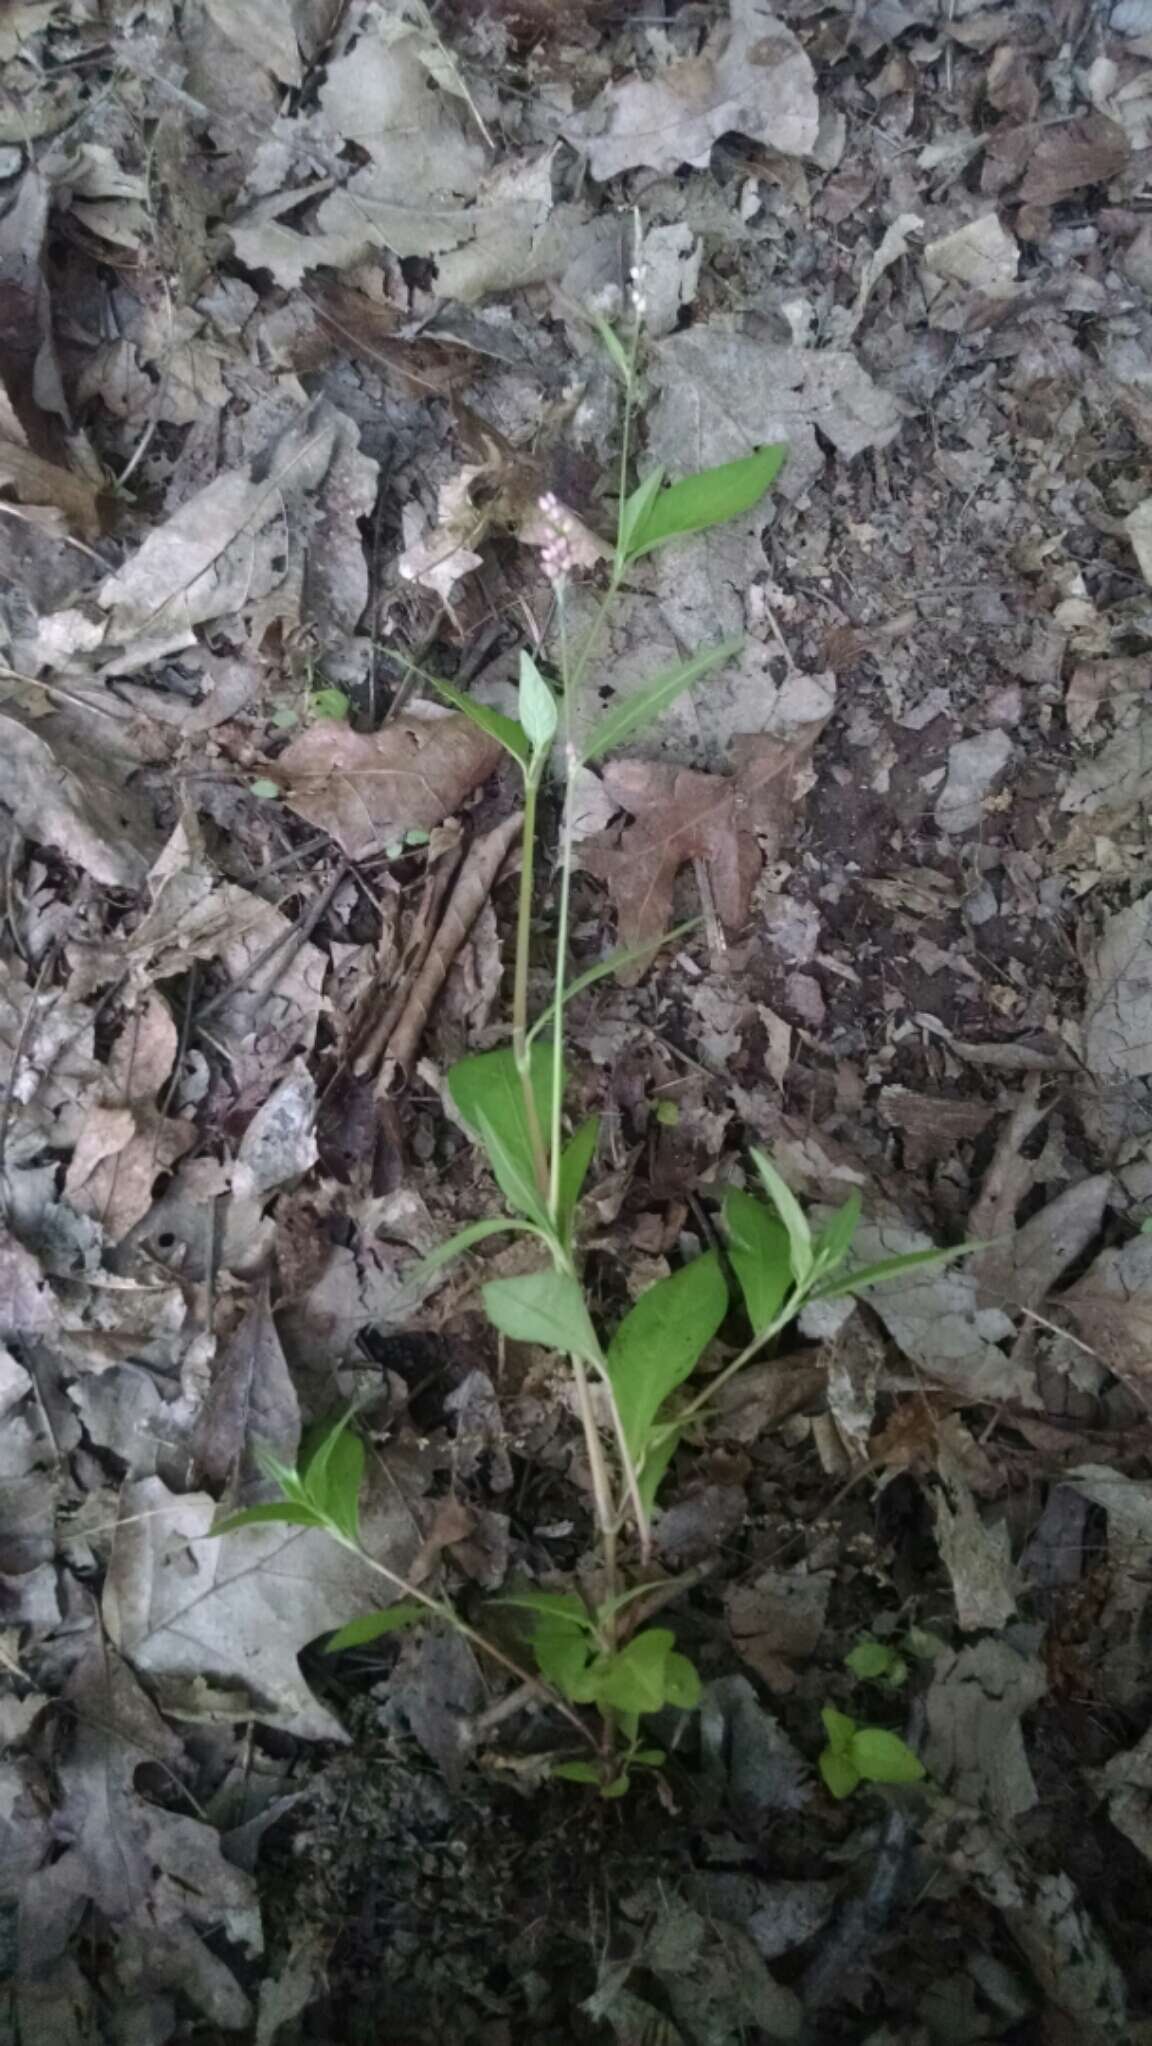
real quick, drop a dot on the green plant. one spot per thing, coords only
(864, 1754)
(876, 1662)
(322, 1490)
(512, 1102)
(581, 1654)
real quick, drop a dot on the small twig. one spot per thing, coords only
(373, 1040)
(288, 941)
(473, 887)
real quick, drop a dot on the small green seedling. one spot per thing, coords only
(580, 1655)
(864, 1754)
(331, 704)
(877, 1662)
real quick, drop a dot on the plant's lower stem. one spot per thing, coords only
(441, 1610)
(601, 1485)
(631, 1482)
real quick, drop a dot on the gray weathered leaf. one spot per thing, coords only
(251, 1403)
(157, 1876)
(752, 77)
(180, 1602)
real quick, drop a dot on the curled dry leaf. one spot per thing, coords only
(80, 817)
(369, 788)
(227, 547)
(680, 815)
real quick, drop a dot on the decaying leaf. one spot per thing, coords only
(251, 1405)
(976, 1555)
(749, 1761)
(1127, 1779)
(777, 1620)
(444, 553)
(752, 77)
(1045, 1916)
(273, 996)
(156, 1875)
(88, 818)
(1119, 1661)
(57, 498)
(935, 1318)
(369, 788)
(680, 815)
(1118, 1000)
(975, 1746)
(981, 254)
(1070, 155)
(722, 392)
(125, 1143)
(231, 545)
(973, 766)
(1023, 1270)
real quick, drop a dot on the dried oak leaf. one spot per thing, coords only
(680, 814)
(367, 788)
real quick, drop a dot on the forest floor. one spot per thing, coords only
(298, 322)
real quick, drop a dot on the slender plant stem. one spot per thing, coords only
(601, 1483)
(746, 1356)
(568, 686)
(748, 1353)
(631, 1481)
(521, 1047)
(441, 1610)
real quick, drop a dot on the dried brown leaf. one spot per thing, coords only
(368, 788)
(1066, 158)
(1112, 1307)
(252, 1401)
(69, 500)
(777, 1620)
(225, 548)
(681, 815)
(120, 1154)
